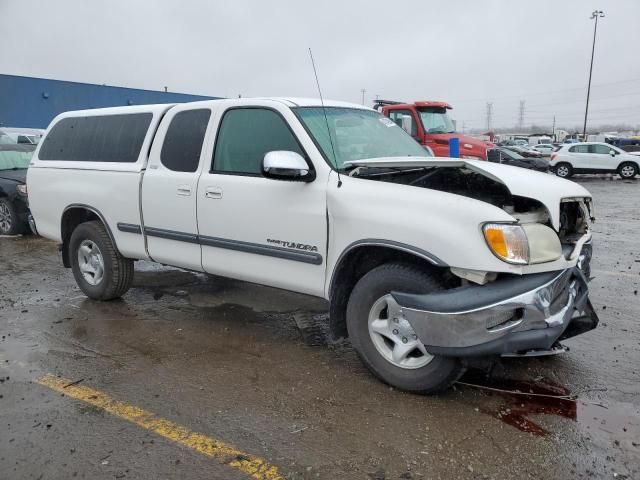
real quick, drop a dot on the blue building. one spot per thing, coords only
(28, 102)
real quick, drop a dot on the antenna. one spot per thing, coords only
(326, 120)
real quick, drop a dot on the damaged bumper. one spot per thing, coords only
(510, 315)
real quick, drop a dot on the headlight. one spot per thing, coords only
(508, 242)
(22, 189)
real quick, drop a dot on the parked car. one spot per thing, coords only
(544, 148)
(14, 210)
(526, 152)
(427, 262)
(593, 157)
(509, 157)
(29, 136)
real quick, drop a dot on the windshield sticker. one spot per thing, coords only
(388, 122)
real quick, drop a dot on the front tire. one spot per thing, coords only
(9, 224)
(386, 342)
(627, 170)
(563, 170)
(100, 271)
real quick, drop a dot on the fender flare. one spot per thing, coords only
(65, 246)
(376, 242)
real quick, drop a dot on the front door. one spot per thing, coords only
(169, 188)
(602, 158)
(255, 228)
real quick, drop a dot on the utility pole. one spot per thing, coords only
(553, 129)
(363, 92)
(521, 116)
(594, 15)
(489, 115)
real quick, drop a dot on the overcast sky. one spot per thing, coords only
(465, 52)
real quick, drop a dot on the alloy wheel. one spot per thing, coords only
(393, 337)
(91, 262)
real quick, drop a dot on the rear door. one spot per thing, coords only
(169, 187)
(580, 157)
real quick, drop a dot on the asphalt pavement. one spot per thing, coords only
(198, 377)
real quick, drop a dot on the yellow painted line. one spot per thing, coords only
(253, 466)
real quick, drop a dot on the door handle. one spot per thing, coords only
(184, 190)
(213, 192)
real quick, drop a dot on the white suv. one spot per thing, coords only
(593, 157)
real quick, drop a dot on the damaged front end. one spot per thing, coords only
(512, 315)
(526, 307)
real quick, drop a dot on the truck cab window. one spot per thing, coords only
(398, 115)
(246, 135)
(183, 141)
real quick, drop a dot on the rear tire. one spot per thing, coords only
(627, 170)
(563, 170)
(417, 370)
(9, 224)
(100, 271)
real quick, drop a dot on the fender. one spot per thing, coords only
(65, 245)
(385, 243)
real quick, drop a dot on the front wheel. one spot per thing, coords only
(563, 170)
(627, 170)
(100, 271)
(385, 341)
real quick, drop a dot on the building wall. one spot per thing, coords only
(33, 102)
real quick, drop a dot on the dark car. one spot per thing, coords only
(523, 151)
(509, 157)
(14, 208)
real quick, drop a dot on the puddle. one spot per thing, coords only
(524, 401)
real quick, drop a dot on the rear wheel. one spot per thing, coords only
(9, 224)
(385, 341)
(563, 170)
(100, 271)
(628, 170)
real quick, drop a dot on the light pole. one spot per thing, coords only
(363, 91)
(594, 15)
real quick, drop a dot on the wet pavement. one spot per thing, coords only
(228, 359)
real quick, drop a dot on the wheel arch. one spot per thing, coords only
(72, 216)
(361, 257)
(632, 162)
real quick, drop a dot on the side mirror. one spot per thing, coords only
(284, 165)
(613, 153)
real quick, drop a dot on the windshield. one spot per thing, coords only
(11, 159)
(357, 134)
(436, 120)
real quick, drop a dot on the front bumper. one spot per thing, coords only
(510, 315)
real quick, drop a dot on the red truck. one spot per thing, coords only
(429, 123)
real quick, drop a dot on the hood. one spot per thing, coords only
(467, 144)
(547, 189)
(19, 176)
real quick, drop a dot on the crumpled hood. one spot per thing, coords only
(547, 189)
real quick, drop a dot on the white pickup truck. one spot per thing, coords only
(427, 262)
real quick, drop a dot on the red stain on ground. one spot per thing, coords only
(520, 406)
